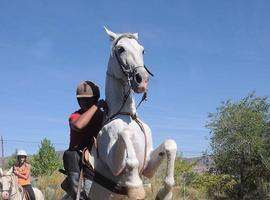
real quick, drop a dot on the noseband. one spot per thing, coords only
(10, 188)
(129, 72)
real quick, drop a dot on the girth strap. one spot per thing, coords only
(97, 177)
(94, 175)
(90, 173)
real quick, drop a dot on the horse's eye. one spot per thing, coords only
(120, 50)
(143, 52)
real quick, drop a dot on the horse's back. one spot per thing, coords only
(38, 194)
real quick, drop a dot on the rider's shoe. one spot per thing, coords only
(83, 196)
(70, 185)
(64, 185)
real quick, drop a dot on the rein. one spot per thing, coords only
(89, 172)
(11, 186)
(127, 94)
(16, 186)
(136, 119)
(124, 100)
(130, 73)
(126, 69)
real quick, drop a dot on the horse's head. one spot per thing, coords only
(6, 183)
(127, 55)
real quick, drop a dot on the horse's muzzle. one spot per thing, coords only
(5, 195)
(140, 80)
(141, 87)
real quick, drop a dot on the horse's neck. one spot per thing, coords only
(115, 92)
(15, 192)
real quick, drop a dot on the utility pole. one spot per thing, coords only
(3, 158)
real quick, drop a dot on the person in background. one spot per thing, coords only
(85, 124)
(22, 169)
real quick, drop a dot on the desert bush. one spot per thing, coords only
(214, 185)
(50, 185)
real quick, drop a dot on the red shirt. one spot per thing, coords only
(84, 138)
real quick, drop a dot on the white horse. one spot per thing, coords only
(11, 190)
(124, 149)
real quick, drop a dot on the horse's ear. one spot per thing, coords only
(111, 34)
(136, 35)
(1, 172)
(10, 171)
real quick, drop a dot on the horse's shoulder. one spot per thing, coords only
(115, 124)
(145, 126)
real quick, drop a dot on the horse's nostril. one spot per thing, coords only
(138, 78)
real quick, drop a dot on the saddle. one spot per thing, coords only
(89, 172)
(24, 192)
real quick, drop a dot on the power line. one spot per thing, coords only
(65, 144)
(30, 142)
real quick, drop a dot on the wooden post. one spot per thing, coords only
(3, 158)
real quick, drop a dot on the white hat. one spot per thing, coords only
(21, 153)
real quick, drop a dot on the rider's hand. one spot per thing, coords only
(15, 171)
(102, 104)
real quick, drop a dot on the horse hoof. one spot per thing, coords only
(164, 194)
(136, 193)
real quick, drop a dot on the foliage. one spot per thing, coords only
(46, 161)
(240, 142)
(12, 159)
(183, 170)
(214, 185)
(50, 185)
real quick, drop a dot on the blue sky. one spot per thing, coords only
(201, 52)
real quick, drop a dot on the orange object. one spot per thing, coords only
(24, 171)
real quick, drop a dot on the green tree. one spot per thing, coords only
(239, 142)
(46, 161)
(12, 159)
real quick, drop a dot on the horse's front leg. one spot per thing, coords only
(122, 160)
(167, 149)
(133, 180)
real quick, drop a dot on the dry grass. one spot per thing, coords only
(50, 186)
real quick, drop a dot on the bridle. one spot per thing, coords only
(129, 72)
(11, 186)
(126, 69)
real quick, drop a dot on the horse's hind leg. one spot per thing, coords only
(167, 148)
